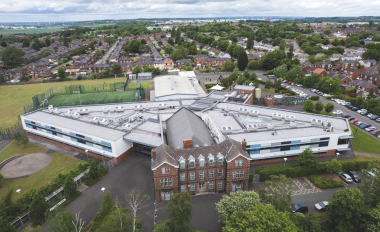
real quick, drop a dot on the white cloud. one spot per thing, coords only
(16, 10)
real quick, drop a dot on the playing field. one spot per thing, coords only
(92, 98)
(28, 31)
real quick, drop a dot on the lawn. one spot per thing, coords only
(92, 98)
(364, 142)
(359, 158)
(28, 31)
(10, 102)
(59, 163)
(268, 90)
(14, 149)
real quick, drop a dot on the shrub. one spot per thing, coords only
(1, 179)
(323, 184)
(314, 98)
(250, 179)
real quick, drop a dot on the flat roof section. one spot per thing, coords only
(171, 85)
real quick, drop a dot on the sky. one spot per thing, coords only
(80, 10)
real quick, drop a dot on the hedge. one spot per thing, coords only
(314, 98)
(323, 184)
(294, 171)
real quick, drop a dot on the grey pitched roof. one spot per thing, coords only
(192, 127)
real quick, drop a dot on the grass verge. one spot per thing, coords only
(364, 142)
(14, 149)
(59, 163)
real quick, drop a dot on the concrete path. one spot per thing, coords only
(25, 165)
(6, 142)
(367, 154)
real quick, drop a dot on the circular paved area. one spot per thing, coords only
(25, 165)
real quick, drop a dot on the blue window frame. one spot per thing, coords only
(322, 139)
(254, 152)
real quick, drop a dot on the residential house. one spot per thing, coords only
(305, 67)
(364, 86)
(346, 64)
(168, 64)
(145, 63)
(327, 65)
(35, 65)
(126, 67)
(354, 72)
(199, 58)
(214, 62)
(320, 71)
(71, 70)
(182, 63)
(224, 55)
(96, 68)
(40, 72)
(368, 63)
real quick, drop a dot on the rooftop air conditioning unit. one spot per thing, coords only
(146, 107)
(226, 128)
(227, 109)
(50, 108)
(126, 127)
(289, 118)
(119, 109)
(293, 124)
(162, 106)
(132, 118)
(68, 113)
(95, 119)
(330, 129)
(277, 116)
(243, 110)
(317, 122)
(270, 126)
(83, 111)
(252, 127)
(56, 111)
(104, 121)
(253, 112)
(139, 107)
(75, 115)
(105, 110)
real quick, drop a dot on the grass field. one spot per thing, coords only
(364, 142)
(14, 149)
(91, 98)
(28, 31)
(360, 158)
(10, 101)
(59, 163)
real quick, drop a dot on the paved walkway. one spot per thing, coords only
(25, 165)
(6, 142)
(367, 154)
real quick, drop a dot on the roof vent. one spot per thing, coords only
(104, 121)
(105, 110)
(83, 111)
(126, 127)
(227, 109)
(270, 126)
(139, 107)
(315, 121)
(68, 113)
(293, 124)
(289, 118)
(196, 145)
(277, 116)
(75, 115)
(119, 109)
(95, 119)
(162, 106)
(56, 111)
(226, 128)
(252, 127)
(243, 110)
(51, 108)
(146, 107)
(253, 112)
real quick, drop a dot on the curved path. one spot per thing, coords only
(25, 165)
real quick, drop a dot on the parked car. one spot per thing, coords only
(349, 106)
(321, 206)
(345, 177)
(369, 115)
(354, 176)
(371, 128)
(377, 119)
(368, 173)
(345, 116)
(350, 119)
(362, 110)
(358, 123)
(354, 108)
(337, 112)
(284, 81)
(374, 117)
(365, 113)
(311, 89)
(364, 125)
(301, 208)
(299, 85)
(374, 132)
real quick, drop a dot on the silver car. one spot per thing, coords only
(321, 206)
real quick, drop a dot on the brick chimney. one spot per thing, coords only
(187, 143)
(154, 153)
(244, 145)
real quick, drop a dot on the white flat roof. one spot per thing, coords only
(171, 85)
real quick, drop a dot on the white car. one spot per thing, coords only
(337, 112)
(362, 110)
(369, 115)
(321, 206)
(371, 128)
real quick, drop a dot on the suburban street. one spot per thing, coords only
(107, 55)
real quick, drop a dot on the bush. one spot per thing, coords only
(314, 98)
(250, 179)
(323, 184)
(1, 179)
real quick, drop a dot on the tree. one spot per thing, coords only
(223, 45)
(17, 137)
(98, 53)
(179, 53)
(25, 42)
(329, 107)
(277, 83)
(370, 94)
(327, 32)
(306, 222)
(119, 221)
(371, 54)
(371, 186)
(38, 207)
(136, 70)
(47, 41)
(134, 46)
(278, 192)
(290, 53)
(116, 69)
(24, 140)
(172, 34)
(228, 66)
(334, 166)
(2, 79)
(370, 24)
(308, 106)
(318, 106)
(12, 56)
(61, 220)
(268, 84)
(272, 59)
(242, 60)
(307, 159)
(171, 41)
(282, 45)
(178, 36)
(61, 74)
(192, 50)
(3, 44)
(69, 186)
(254, 65)
(180, 210)
(260, 218)
(250, 41)
(373, 224)
(134, 200)
(345, 211)
(236, 201)
(168, 49)
(66, 42)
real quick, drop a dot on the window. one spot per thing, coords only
(220, 172)
(192, 187)
(211, 185)
(201, 163)
(162, 170)
(167, 170)
(182, 176)
(162, 182)
(233, 187)
(167, 196)
(233, 175)
(183, 188)
(166, 182)
(170, 182)
(162, 195)
(238, 187)
(211, 162)
(220, 161)
(240, 162)
(192, 164)
(241, 174)
(211, 174)
(192, 175)
(220, 184)
(182, 164)
(201, 175)
(201, 186)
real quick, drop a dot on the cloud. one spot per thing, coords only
(51, 10)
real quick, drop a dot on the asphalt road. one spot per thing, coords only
(107, 55)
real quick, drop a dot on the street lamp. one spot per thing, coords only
(86, 153)
(330, 88)
(103, 189)
(285, 159)
(18, 191)
(337, 155)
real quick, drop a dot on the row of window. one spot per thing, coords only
(166, 195)
(237, 174)
(278, 144)
(201, 163)
(202, 186)
(288, 148)
(201, 175)
(166, 182)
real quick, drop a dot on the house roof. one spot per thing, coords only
(319, 70)
(364, 84)
(192, 128)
